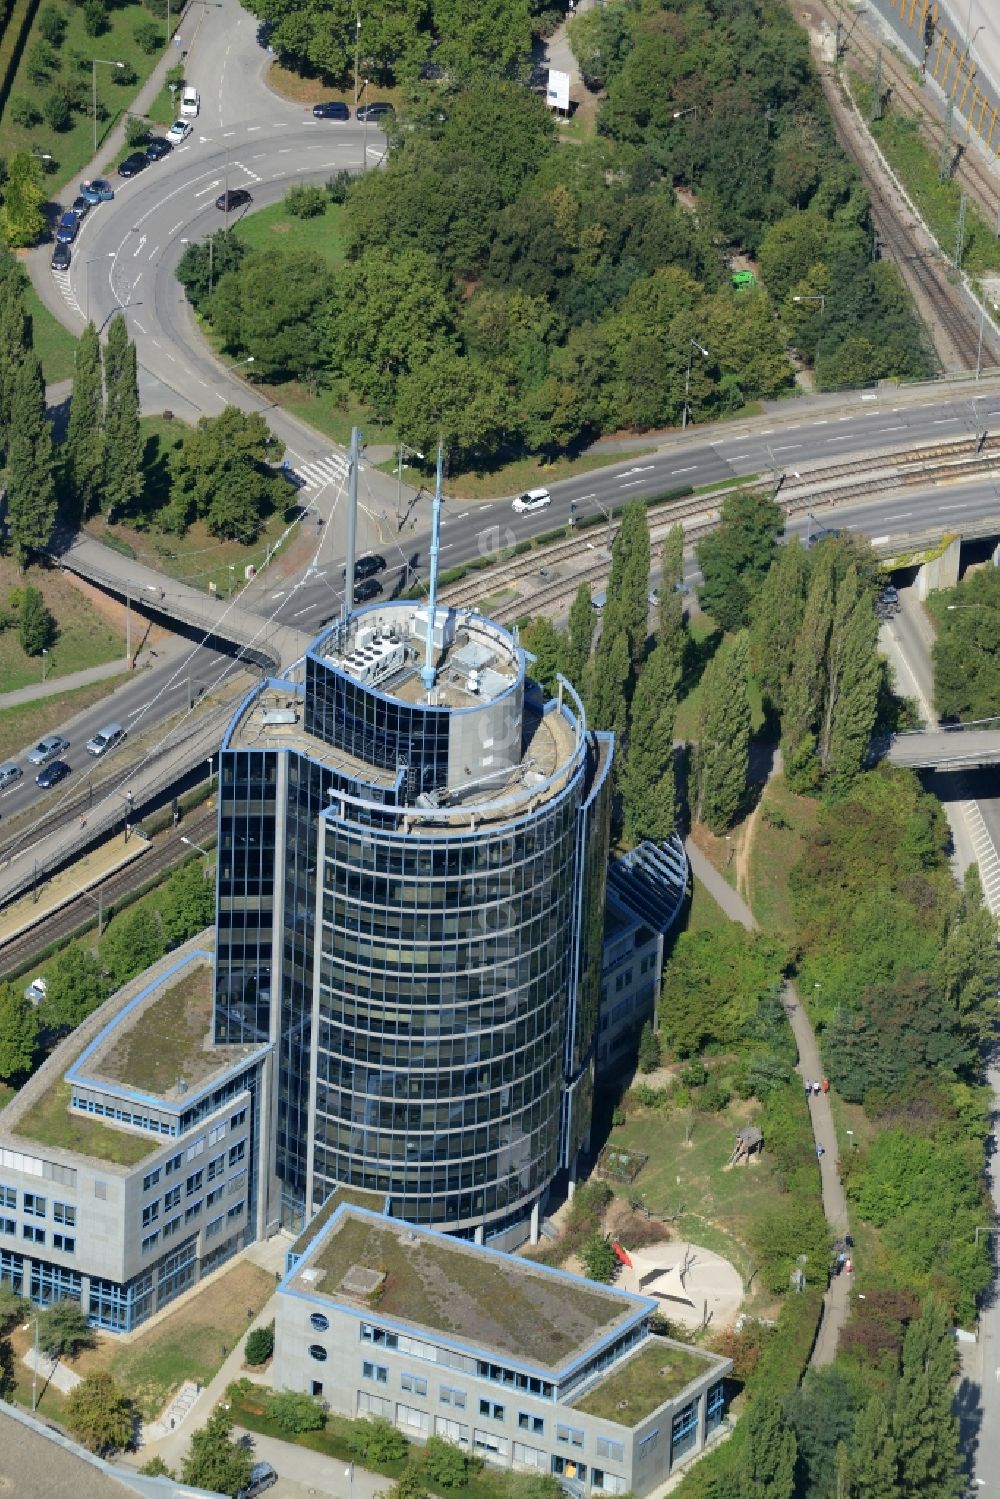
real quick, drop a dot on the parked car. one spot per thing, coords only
(825, 533)
(97, 190)
(67, 227)
(236, 197)
(52, 775)
(158, 147)
(46, 749)
(105, 739)
(332, 109)
(81, 206)
(367, 567)
(133, 164)
(262, 1476)
(190, 102)
(533, 499)
(368, 588)
(287, 472)
(375, 112)
(61, 256)
(36, 991)
(10, 774)
(179, 131)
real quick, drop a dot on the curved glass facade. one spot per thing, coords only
(436, 885)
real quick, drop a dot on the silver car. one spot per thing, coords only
(10, 774)
(47, 749)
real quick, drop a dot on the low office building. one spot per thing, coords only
(128, 1163)
(522, 1365)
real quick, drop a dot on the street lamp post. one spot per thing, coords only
(819, 297)
(694, 345)
(196, 846)
(364, 138)
(99, 62)
(45, 662)
(357, 53)
(415, 453)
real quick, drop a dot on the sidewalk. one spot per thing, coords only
(837, 1301)
(54, 685)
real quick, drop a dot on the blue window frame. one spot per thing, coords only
(54, 1283)
(715, 1406)
(683, 1431)
(120, 1308)
(378, 1372)
(648, 1443)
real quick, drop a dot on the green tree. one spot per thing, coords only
(188, 903)
(37, 627)
(647, 779)
(205, 261)
(100, 1414)
(477, 40)
(713, 987)
(821, 1413)
(598, 1258)
(84, 450)
(649, 1049)
(76, 986)
(966, 663)
(609, 681)
(31, 504)
(122, 479)
(628, 584)
(132, 942)
(581, 636)
(547, 645)
(15, 338)
(852, 682)
(294, 1412)
(260, 1344)
(782, 1235)
(273, 307)
(222, 473)
(671, 633)
(776, 620)
(18, 1033)
(409, 1485)
(874, 1467)
(214, 1461)
(447, 1466)
(923, 1424)
(22, 221)
(803, 697)
(968, 968)
(379, 1441)
(465, 404)
(723, 751)
(156, 1467)
(767, 1462)
(736, 558)
(63, 1329)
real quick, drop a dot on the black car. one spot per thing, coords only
(368, 588)
(61, 257)
(80, 206)
(367, 567)
(52, 774)
(133, 164)
(236, 197)
(374, 112)
(158, 148)
(331, 110)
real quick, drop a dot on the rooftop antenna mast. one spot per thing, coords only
(429, 670)
(352, 526)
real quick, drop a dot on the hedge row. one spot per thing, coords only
(16, 26)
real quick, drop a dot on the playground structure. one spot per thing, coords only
(749, 1144)
(618, 1165)
(694, 1286)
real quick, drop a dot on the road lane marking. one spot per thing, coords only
(689, 470)
(178, 225)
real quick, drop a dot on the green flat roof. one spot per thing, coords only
(498, 1303)
(49, 1121)
(632, 1391)
(374, 1201)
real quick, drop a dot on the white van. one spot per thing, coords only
(190, 102)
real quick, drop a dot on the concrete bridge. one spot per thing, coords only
(260, 642)
(948, 747)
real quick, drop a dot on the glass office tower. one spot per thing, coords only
(411, 897)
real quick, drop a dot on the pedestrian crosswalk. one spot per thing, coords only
(986, 854)
(329, 470)
(62, 281)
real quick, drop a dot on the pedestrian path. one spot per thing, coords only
(837, 1301)
(51, 1371)
(52, 688)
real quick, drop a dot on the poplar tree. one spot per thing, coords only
(15, 339)
(628, 585)
(543, 640)
(767, 1462)
(873, 1460)
(609, 682)
(923, 1424)
(803, 700)
(647, 780)
(776, 621)
(31, 501)
(670, 630)
(853, 677)
(85, 431)
(722, 756)
(122, 478)
(581, 636)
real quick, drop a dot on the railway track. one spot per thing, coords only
(165, 851)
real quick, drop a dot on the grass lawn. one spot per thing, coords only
(275, 226)
(330, 411)
(166, 1042)
(84, 637)
(23, 726)
(54, 344)
(190, 1342)
(49, 1122)
(774, 853)
(644, 1382)
(704, 913)
(72, 149)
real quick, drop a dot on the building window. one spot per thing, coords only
(413, 1383)
(416, 1420)
(214, 1196)
(492, 1409)
(235, 1212)
(683, 1431)
(374, 1405)
(318, 1322)
(527, 1422)
(647, 1444)
(237, 1152)
(607, 1448)
(173, 1164)
(530, 1457)
(451, 1396)
(216, 1166)
(379, 1336)
(607, 1483)
(378, 1372)
(570, 1434)
(486, 1441)
(64, 1213)
(150, 1179)
(64, 1242)
(316, 1389)
(51, 1283)
(8, 1197)
(150, 1213)
(149, 1241)
(237, 1183)
(196, 1149)
(172, 1198)
(34, 1205)
(238, 1119)
(715, 1407)
(171, 1227)
(8, 1226)
(216, 1134)
(214, 1226)
(568, 1467)
(32, 1234)
(318, 1352)
(193, 1183)
(192, 1211)
(452, 1431)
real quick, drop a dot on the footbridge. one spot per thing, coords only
(958, 746)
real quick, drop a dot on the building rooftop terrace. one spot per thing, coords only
(494, 1302)
(658, 1372)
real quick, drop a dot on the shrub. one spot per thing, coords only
(378, 1441)
(447, 1465)
(58, 114)
(52, 24)
(649, 1049)
(339, 186)
(695, 1074)
(136, 132)
(95, 17)
(599, 1259)
(716, 1095)
(294, 1412)
(149, 36)
(260, 1344)
(40, 63)
(125, 77)
(37, 627)
(23, 112)
(305, 200)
